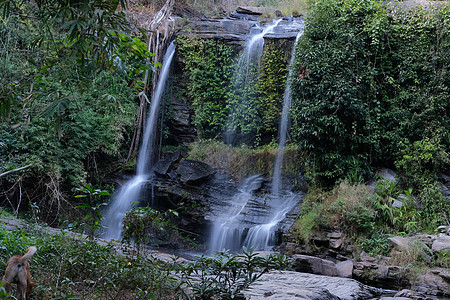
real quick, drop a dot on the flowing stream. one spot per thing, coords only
(234, 228)
(132, 190)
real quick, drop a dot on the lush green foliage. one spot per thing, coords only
(271, 87)
(144, 226)
(207, 66)
(225, 276)
(92, 205)
(62, 118)
(370, 85)
(67, 267)
(221, 99)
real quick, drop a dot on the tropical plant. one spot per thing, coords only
(225, 275)
(93, 217)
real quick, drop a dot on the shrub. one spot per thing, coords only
(346, 206)
(145, 225)
(375, 244)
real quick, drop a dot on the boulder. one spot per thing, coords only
(315, 265)
(370, 272)
(439, 279)
(193, 172)
(399, 243)
(250, 10)
(441, 242)
(287, 285)
(166, 164)
(345, 269)
(336, 239)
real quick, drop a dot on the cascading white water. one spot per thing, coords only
(132, 189)
(231, 230)
(227, 232)
(251, 55)
(284, 126)
(262, 236)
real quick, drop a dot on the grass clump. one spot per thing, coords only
(347, 206)
(244, 161)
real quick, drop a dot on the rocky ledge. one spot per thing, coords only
(236, 28)
(287, 285)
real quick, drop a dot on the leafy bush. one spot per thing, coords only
(145, 225)
(376, 244)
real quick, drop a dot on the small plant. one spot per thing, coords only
(443, 259)
(143, 225)
(93, 217)
(376, 244)
(225, 276)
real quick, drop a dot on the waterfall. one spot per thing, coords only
(132, 190)
(250, 56)
(263, 235)
(234, 228)
(284, 126)
(228, 232)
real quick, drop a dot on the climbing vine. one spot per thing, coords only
(207, 69)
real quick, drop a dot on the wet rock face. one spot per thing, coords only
(234, 30)
(182, 131)
(200, 195)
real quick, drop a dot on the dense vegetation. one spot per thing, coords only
(67, 101)
(221, 101)
(68, 266)
(371, 89)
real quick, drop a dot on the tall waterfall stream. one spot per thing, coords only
(133, 189)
